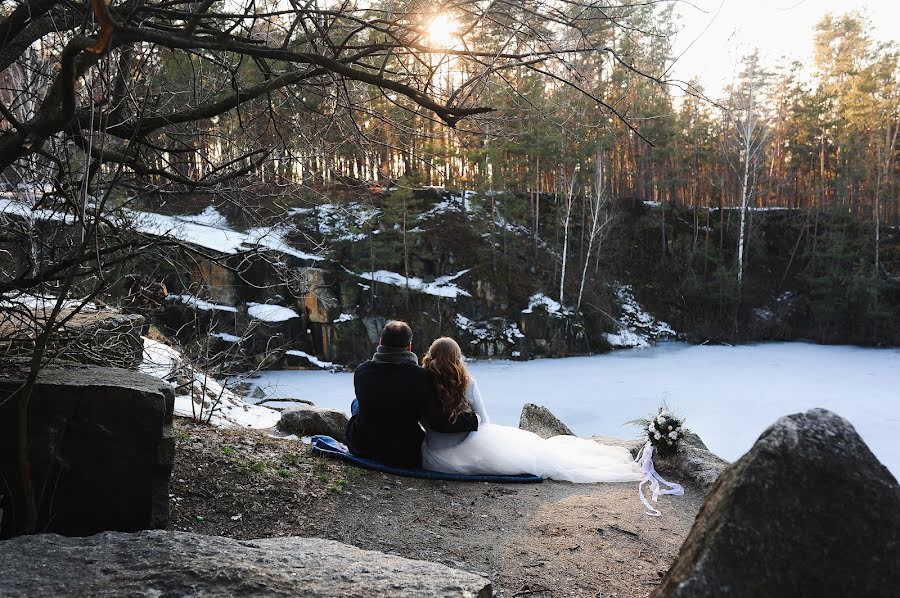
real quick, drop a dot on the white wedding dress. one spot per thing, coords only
(504, 450)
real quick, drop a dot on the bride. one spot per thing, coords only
(504, 450)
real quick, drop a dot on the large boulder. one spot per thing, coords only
(808, 511)
(101, 450)
(161, 563)
(307, 420)
(692, 461)
(90, 336)
(542, 422)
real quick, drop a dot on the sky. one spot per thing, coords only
(715, 33)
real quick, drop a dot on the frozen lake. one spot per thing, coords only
(728, 395)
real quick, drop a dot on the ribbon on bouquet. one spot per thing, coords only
(645, 462)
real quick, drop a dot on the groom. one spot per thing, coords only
(393, 394)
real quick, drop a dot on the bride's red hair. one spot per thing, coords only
(451, 378)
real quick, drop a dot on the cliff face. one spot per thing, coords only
(312, 285)
(466, 267)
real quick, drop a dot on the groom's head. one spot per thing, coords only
(397, 334)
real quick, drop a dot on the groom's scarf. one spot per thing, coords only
(394, 355)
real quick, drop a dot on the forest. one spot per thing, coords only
(559, 118)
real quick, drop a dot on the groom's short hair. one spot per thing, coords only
(396, 333)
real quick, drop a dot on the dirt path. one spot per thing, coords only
(550, 539)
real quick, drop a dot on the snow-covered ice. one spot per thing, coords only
(728, 395)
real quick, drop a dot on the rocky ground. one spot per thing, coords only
(550, 539)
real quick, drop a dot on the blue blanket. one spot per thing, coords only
(326, 445)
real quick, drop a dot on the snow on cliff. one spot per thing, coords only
(638, 328)
(442, 286)
(210, 230)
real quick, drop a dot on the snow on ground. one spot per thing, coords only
(440, 287)
(201, 304)
(270, 313)
(638, 329)
(325, 365)
(205, 394)
(344, 318)
(728, 395)
(207, 230)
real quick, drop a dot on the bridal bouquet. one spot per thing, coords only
(663, 431)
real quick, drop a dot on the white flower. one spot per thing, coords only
(673, 435)
(657, 435)
(651, 428)
(670, 428)
(659, 419)
(664, 414)
(678, 429)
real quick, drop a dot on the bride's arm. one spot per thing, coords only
(477, 403)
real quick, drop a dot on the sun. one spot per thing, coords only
(442, 32)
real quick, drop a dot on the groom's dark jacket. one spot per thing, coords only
(394, 394)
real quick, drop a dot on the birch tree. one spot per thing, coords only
(570, 201)
(600, 220)
(749, 137)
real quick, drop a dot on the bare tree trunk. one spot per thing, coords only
(747, 142)
(596, 206)
(570, 197)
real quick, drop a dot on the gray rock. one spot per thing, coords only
(307, 420)
(539, 420)
(159, 563)
(101, 449)
(89, 337)
(808, 511)
(693, 462)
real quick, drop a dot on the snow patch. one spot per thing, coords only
(210, 216)
(203, 398)
(344, 318)
(440, 287)
(198, 230)
(201, 304)
(551, 306)
(270, 313)
(325, 365)
(638, 328)
(228, 338)
(490, 330)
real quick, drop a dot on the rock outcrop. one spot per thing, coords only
(161, 563)
(92, 336)
(808, 511)
(693, 462)
(542, 422)
(307, 420)
(101, 450)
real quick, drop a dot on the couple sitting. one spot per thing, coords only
(396, 399)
